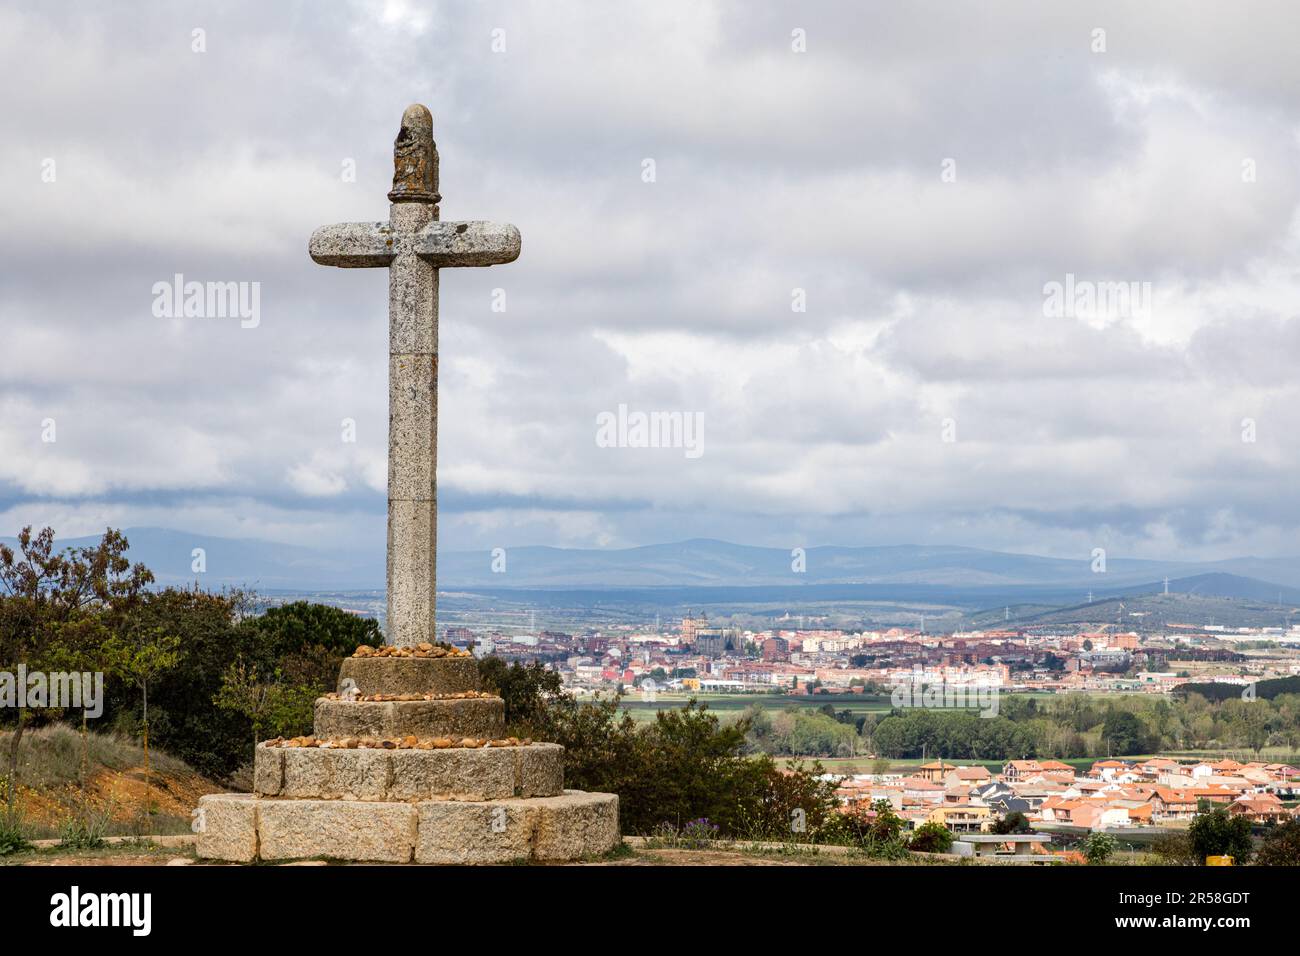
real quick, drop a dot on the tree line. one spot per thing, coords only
(196, 673)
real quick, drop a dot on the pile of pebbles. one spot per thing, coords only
(396, 743)
(419, 650)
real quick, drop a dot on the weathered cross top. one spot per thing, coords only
(413, 245)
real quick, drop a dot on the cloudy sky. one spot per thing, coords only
(922, 171)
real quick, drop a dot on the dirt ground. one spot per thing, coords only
(134, 854)
(120, 794)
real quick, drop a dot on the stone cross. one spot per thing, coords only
(413, 245)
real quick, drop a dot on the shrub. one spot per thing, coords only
(930, 838)
(664, 834)
(301, 645)
(84, 829)
(686, 765)
(1174, 849)
(1098, 848)
(876, 830)
(698, 834)
(525, 690)
(1013, 822)
(12, 839)
(1281, 846)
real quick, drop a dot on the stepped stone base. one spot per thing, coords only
(571, 826)
(457, 773)
(470, 717)
(404, 805)
(410, 675)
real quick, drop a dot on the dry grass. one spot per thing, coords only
(99, 783)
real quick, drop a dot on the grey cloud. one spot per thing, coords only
(775, 171)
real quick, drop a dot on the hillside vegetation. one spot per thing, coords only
(88, 787)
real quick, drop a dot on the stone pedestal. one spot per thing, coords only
(409, 781)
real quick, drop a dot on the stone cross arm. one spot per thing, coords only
(362, 245)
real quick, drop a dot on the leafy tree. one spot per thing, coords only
(1216, 832)
(54, 606)
(210, 739)
(1052, 662)
(524, 688)
(142, 655)
(1013, 822)
(953, 733)
(243, 692)
(307, 642)
(801, 732)
(271, 706)
(887, 825)
(1125, 731)
(297, 648)
(1281, 846)
(1098, 848)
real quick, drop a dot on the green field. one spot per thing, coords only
(857, 704)
(729, 704)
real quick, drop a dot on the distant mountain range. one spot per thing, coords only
(704, 563)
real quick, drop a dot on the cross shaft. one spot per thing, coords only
(413, 245)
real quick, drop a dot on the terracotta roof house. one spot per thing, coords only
(918, 789)
(1014, 770)
(934, 771)
(1056, 766)
(1214, 794)
(1261, 808)
(1169, 804)
(968, 776)
(1141, 814)
(1107, 768)
(963, 819)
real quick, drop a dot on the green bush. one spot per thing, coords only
(686, 765)
(1281, 846)
(1216, 832)
(525, 690)
(876, 830)
(1013, 822)
(1097, 848)
(12, 839)
(1175, 849)
(299, 645)
(930, 838)
(84, 830)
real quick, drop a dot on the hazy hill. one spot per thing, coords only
(1214, 598)
(702, 563)
(245, 561)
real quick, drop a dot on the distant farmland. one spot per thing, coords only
(728, 704)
